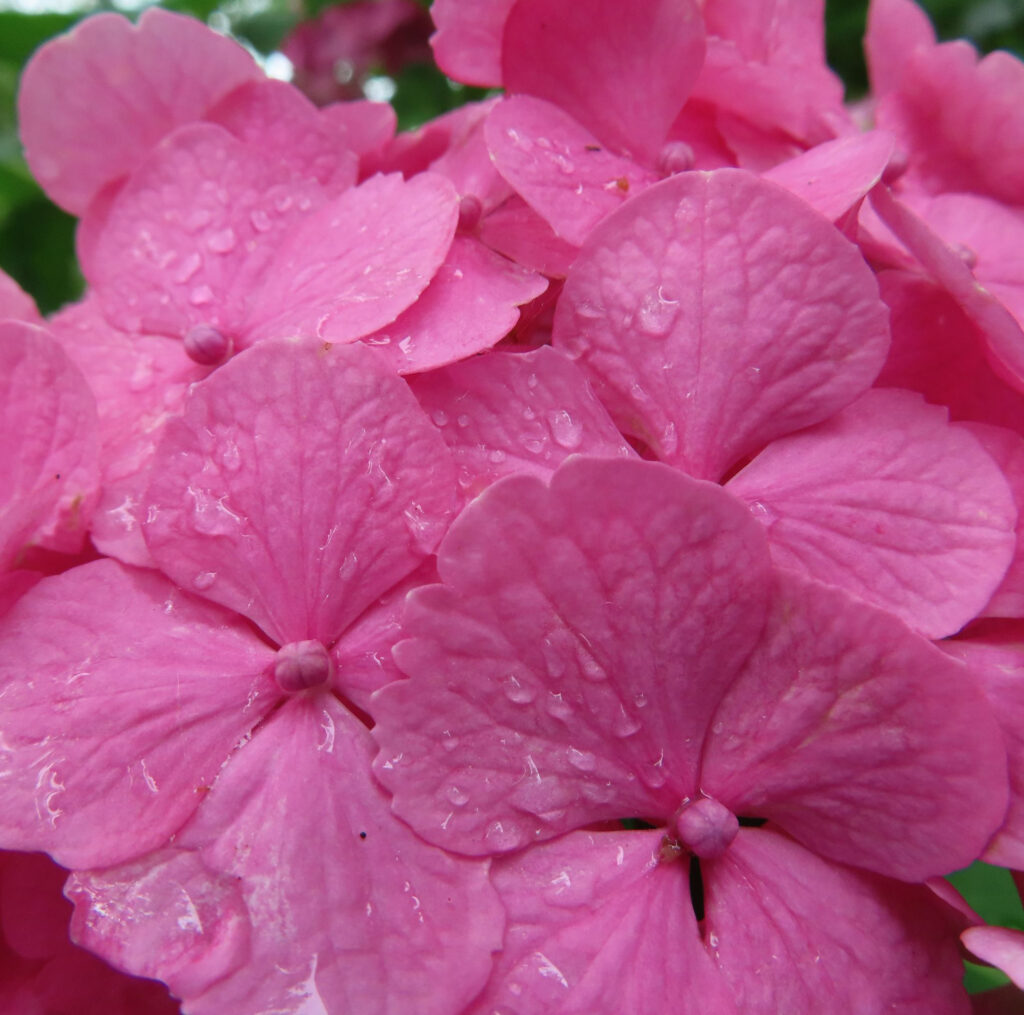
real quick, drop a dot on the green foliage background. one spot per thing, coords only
(37, 239)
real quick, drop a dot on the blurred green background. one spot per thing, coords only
(37, 239)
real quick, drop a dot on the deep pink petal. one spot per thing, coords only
(349, 909)
(559, 167)
(840, 730)
(123, 913)
(153, 688)
(48, 470)
(519, 233)
(15, 302)
(93, 102)
(630, 72)
(358, 262)
(364, 127)
(470, 305)
(302, 482)
(512, 413)
(467, 43)
(999, 670)
(564, 672)
(598, 925)
(192, 231)
(793, 933)
(715, 312)
(895, 28)
(834, 176)
(892, 503)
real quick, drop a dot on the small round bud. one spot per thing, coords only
(301, 665)
(207, 346)
(706, 828)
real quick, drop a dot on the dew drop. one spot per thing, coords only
(503, 836)
(440, 417)
(223, 241)
(230, 456)
(653, 776)
(533, 445)
(497, 456)
(640, 700)
(625, 725)
(656, 314)
(589, 666)
(200, 296)
(564, 165)
(260, 220)
(199, 219)
(457, 796)
(204, 580)
(517, 692)
(567, 432)
(583, 760)
(187, 269)
(558, 707)
(463, 420)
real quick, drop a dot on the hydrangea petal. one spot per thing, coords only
(359, 262)
(598, 925)
(470, 305)
(894, 29)
(48, 471)
(72, 647)
(631, 68)
(559, 167)
(516, 413)
(124, 913)
(826, 938)
(890, 502)
(518, 232)
(349, 909)
(15, 302)
(1001, 947)
(715, 312)
(556, 704)
(298, 527)
(467, 43)
(835, 682)
(191, 231)
(83, 128)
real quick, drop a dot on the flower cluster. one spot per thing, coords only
(564, 558)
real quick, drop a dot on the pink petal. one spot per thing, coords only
(48, 473)
(510, 412)
(519, 233)
(363, 127)
(631, 67)
(13, 585)
(15, 302)
(559, 167)
(81, 636)
(998, 668)
(939, 351)
(470, 305)
(288, 129)
(191, 231)
(93, 102)
(793, 933)
(895, 28)
(891, 503)
(839, 730)
(716, 312)
(298, 527)
(349, 909)
(1000, 947)
(598, 925)
(833, 177)
(467, 43)
(358, 262)
(544, 673)
(120, 913)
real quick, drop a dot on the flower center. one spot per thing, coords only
(207, 346)
(301, 665)
(706, 827)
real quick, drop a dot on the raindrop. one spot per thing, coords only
(463, 420)
(656, 314)
(187, 269)
(497, 456)
(653, 776)
(640, 700)
(503, 837)
(567, 432)
(222, 242)
(589, 666)
(457, 796)
(558, 707)
(200, 296)
(565, 165)
(533, 445)
(204, 580)
(260, 220)
(439, 417)
(230, 456)
(517, 692)
(625, 725)
(583, 760)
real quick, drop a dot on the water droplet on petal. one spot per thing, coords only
(440, 417)
(625, 725)
(503, 835)
(204, 580)
(657, 313)
(187, 269)
(200, 296)
(516, 691)
(463, 420)
(457, 796)
(558, 707)
(567, 432)
(223, 241)
(583, 760)
(260, 220)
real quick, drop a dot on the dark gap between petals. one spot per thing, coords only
(696, 888)
(752, 822)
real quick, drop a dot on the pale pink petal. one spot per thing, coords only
(93, 102)
(467, 43)
(139, 382)
(1007, 448)
(598, 925)
(893, 504)
(998, 667)
(824, 938)
(48, 471)
(1001, 947)
(833, 177)
(715, 312)
(895, 28)
(191, 231)
(519, 233)
(122, 914)
(776, 32)
(108, 783)
(363, 127)
(15, 302)
(467, 161)
(358, 262)
(562, 171)
(511, 412)
(839, 730)
(537, 704)
(470, 305)
(1002, 332)
(290, 130)
(630, 71)
(299, 527)
(13, 585)
(349, 909)
(937, 350)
